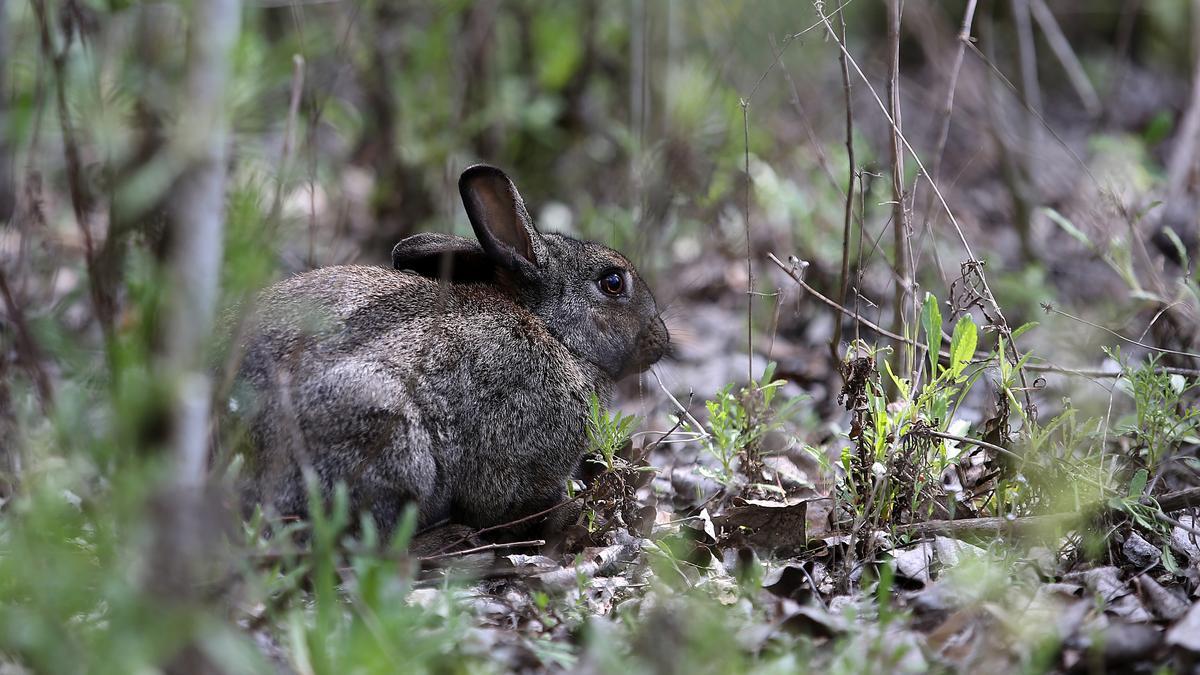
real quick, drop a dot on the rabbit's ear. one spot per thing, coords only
(437, 256)
(500, 220)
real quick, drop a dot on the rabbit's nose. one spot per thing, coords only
(655, 342)
(660, 329)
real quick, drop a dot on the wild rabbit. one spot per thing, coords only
(460, 380)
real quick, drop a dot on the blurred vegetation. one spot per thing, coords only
(633, 123)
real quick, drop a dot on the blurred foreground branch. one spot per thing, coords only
(187, 534)
(7, 187)
(197, 223)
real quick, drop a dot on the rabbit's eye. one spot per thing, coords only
(612, 283)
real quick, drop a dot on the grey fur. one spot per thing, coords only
(459, 382)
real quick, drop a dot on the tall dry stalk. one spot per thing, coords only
(900, 229)
(848, 214)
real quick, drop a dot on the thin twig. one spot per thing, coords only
(684, 411)
(749, 268)
(487, 547)
(1050, 309)
(316, 110)
(788, 40)
(851, 170)
(289, 138)
(971, 441)
(1033, 367)
(1164, 518)
(858, 319)
(795, 100)
(1173, 501)
(1100, 373)
(512, 523)
(999, 74)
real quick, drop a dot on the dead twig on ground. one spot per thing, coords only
(513, 523)
(482, 549)
(985, 527)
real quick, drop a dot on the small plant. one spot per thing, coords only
(608, 433)
(900, 454)
(611, 498)
(1161, 419)
(739, 421)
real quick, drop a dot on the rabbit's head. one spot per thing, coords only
(588, 295)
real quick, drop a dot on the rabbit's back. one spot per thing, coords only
(448, 395)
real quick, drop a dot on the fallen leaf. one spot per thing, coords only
(1164, 603)
(773, 525)
(814, 621)
(1129, 642)
(1185, 541)
(789, 581)
(1186, 633)
(1118, 598)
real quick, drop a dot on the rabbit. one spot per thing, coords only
(459, 381)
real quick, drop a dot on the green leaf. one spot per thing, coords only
(1138, 483)
(768, 375)
(1169, 562)
(1177, 243)
(1068, 227)
(962, 344)
(901, 385)
(1023, 328)
(931, 321)
(1021, 364)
